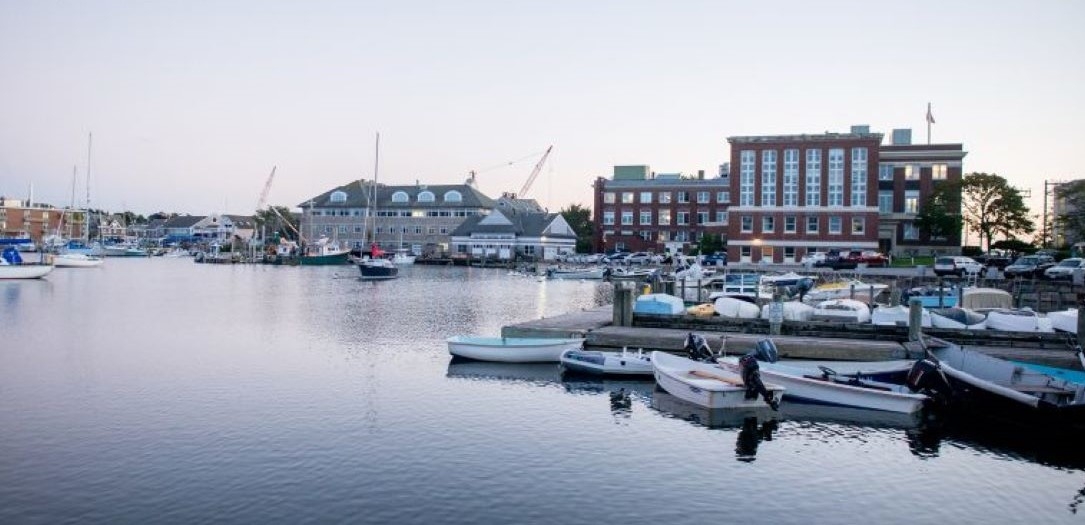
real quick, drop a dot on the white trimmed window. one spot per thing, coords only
(683, 197)
(664, 197)
(813, 177)
(702, 217)
(836, 225)
(911, 172)
(911, 231)
(885, 202)
(683, 218)
(768, 224)
(426, 196)
(608, 218)
(646, 217)
(911, 201)
(627, 217)
(885, 172)
(608, 197)
(400, 196)
(453, 196)
(768, 177)
(836, 177)
(664, 217)
(627, 197)
(747, 161)
(723, 197)
(790, 224)
(747, 224)
(858, 226)
(811, 225)
(791, 177)
(938, 172)
(645, 197)
(858, 176)
(339, 196)
(721, 217)
(703, 197)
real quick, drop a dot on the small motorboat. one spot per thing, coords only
(791, 311)
(842, 311)
(736, 308)
(1064, 321)
(1021, 320)
(933, 297)
(705, 384)
(958, 318)
(848, 289)
(982, 298)
(512, 349)
(576, 273)
(659, 303)
(897, 316)
(76, 260)
(624, 363)
(633, 274)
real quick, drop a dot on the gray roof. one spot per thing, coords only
(358, 196)
(524, 224)
(242, 221)
(183, 221)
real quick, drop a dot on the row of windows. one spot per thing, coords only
(911, 202)
(395, 213)
(813, 224)
(417, 230)
(911, 171)
(663, 218)
(664, 197)
(834, 182)
(401, 196)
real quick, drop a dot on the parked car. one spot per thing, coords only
(814, 258)
(616, 258)
(643, 258)
(1065, 268)
(715, 259)
(994, 259)
(957, 265)
(1029, 266)
(871, 258)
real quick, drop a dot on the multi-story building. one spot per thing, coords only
(795, 194)
(420, 218)
(39, 221)
(907, 176)
(639, 210)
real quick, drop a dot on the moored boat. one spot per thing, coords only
(958, 318)
(736, 308)
(1065, 320)
(705, 384)
(1022, 320)
(607, 363)
(512, 349)
(841, 311)
(658, 303)
(897, 316)
(13, 267)
(76, 260)
(576, 273)
(849, 289)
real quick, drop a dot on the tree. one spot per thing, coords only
(940, 216)
(1072, 219)
(991, 206)
(579, 219)
(282, 223)
(711, 243)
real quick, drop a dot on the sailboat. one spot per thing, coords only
(73, 258)
(402, 255)
(376, 267)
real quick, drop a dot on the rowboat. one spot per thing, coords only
(512, 349)
(705, 384)
(607, 363)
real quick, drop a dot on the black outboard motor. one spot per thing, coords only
(751, 377)
(697, 348)
(927, 377)
(766, 351)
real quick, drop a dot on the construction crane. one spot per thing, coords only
(534, 173)
(267, 188)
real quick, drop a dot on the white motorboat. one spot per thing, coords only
(512, 349)
(632, 274)
(607, 363)
(76, 260)
(848, 289)
(659, 303)
(1064, 321)
(790, 310)
(958, 318)
(705, 384)
(897, 316)
(736, 308)
(576, 273)
(977, 298)
(842, 311)
(401, 257)
(1022, 320)
(824, 386)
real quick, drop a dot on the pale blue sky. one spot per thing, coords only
(191, 103)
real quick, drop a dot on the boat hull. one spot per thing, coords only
(324, 260)
(24, 271)
(76, 260)
(672, 374)
(606, 363)
(378, 272)
(511, 349)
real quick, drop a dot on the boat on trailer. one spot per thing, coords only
(512, 349)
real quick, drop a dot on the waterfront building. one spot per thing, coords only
(419, 217)
(907, 175)
(514, 230)
(204, 228)
(638, 210)
(39, 221)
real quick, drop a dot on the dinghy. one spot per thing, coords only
(842, 311)
(659, 303)
(512, 349)
(736, 308)
(624, 363)
(705, 384)
(958, 318)
(1064, 321)
(850, 289)
(1023, 320)
(896, 316)
(792, 311)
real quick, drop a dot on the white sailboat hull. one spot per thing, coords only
(24, 271)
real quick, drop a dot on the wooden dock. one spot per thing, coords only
(834, 341)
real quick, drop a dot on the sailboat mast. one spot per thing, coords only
(86, 219)
(373, 199)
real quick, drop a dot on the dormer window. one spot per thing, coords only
(400, 196)
(426, 196)
(338, 196)
(453, 196)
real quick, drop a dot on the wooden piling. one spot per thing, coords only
(623, 304)
(915, 319)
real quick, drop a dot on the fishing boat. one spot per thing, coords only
(824, 386)
(76, 260)
(624, 363)
(13, 267)
(705, 384)
(324, 252)
(512, 349)
(576, 273)
(841, 311)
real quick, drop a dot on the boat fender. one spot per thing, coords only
(751, 377)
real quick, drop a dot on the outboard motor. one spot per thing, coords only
(697, 348)
(751, 377)
(927, 377)
(766, 351)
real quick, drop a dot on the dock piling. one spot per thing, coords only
(623, 304)
(915, 319)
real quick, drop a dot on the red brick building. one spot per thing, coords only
(795, 194)
(641, 211)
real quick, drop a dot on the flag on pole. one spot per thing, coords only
(930, 117)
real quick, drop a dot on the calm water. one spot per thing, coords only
(162, 391)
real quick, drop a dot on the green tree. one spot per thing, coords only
(277, 220)
(579, 219)
(992, 207)
(1072, 220)
(940, 216)
(710, 243)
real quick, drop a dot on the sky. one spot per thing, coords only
(191, 103)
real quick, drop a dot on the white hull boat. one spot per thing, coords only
(24, 271)
(576, 273)
(791, 311)
(659, 303)
(824, 386)
(1005, 320)
(76, 260)
(736, 308)
(842, 311)
(897, 316)
(856, 290)
(402, 258)
(704, 384)
(1064, 321)
(512, 349)
(622, 363)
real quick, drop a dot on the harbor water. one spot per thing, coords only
(161, 391)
